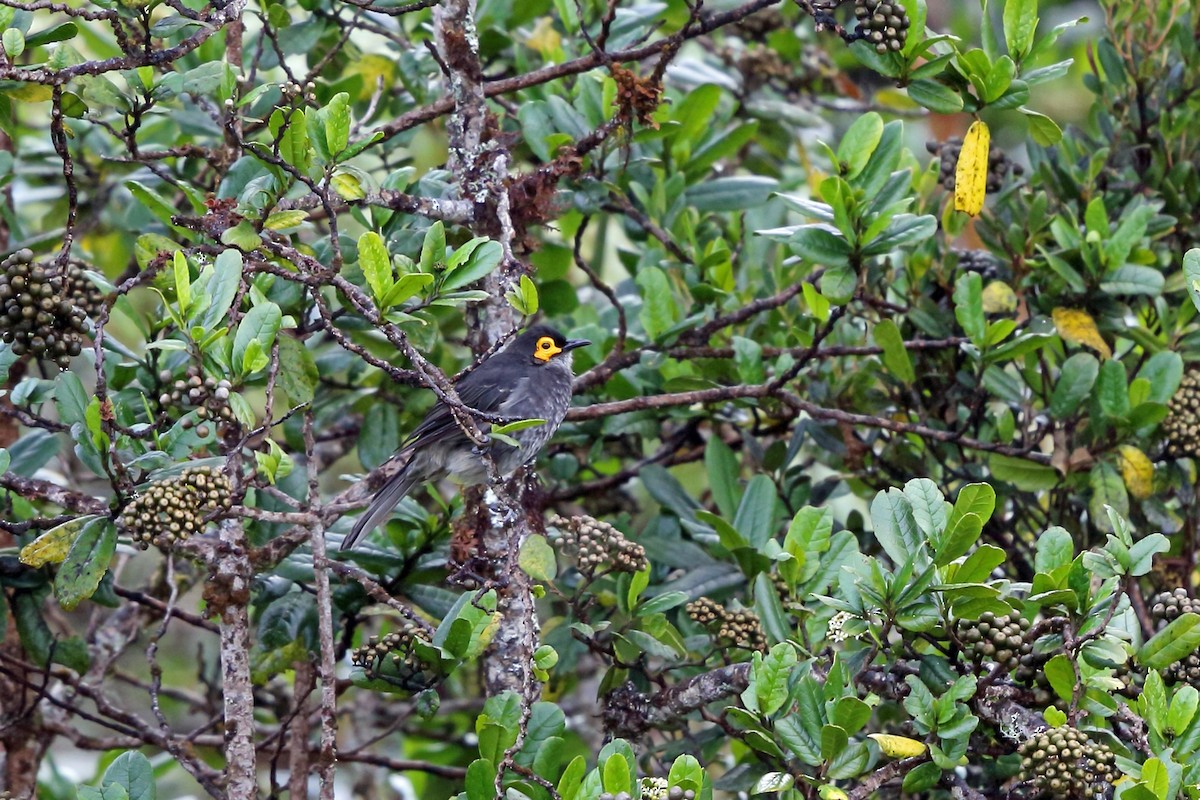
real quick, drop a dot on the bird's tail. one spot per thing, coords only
(384, 501)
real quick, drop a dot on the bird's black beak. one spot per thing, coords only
(574, 343)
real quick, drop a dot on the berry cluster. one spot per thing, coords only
(1065, 763)
(1182, 425)
(208, 396)
(790, 601)
(392, 657)
(994, 639)
(595, 545)
(980, 261)
(738, 628)
(42, 314)
(175, 508)
(883, 23)
(1166, 606)
(999, 164)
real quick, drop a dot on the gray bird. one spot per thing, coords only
(529, 379)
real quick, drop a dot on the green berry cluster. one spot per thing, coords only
(738, 628)
(208, 396)
(1064, 764)
(41, 314)
(175, 508)
(883, 23)
(999, 164)
(994, 639)
(1182, 425)
(595, 545)
(392, 657)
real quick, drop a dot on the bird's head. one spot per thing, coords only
(545, 346)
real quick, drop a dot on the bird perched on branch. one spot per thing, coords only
(529, 379)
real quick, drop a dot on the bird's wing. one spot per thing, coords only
(485, 389)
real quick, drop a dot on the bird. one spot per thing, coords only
(530, 378)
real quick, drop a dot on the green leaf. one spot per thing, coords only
(1191, 274)
(894, 526)
(839, 283)
(221, 282)
(659, 311)
(1183, 708)
(937, 97)
(771, 674)
(1020, 23)
(525, 297)
(895, 356)
(86, 563)
(921, 778)
(295, 147)
(722, 466)
(1108, 489)
(537, 559)
(1055, 549)
(968, 306)
(963, 533)
(979, 565)
(376, 265)
(821, 246)
(481, 257)
(337, 123)
(1061, 676)
(298, 374)
(773, 782)
(14, 42)
(616, 774)
(1022, 473)
(858, 143)
(242, 236)
(928, 506)
(407, 286)
(731, 194)
(481, 779)
(433, 248)
(55, 33)
(1112, 390)
(183, 282)
(132, 772)
(260, 325)
(1042, 129)
(755, 518)
(1075, 382)
(1173, 643)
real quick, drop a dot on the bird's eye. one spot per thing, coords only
(546, 343)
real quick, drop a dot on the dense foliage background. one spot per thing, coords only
(861, 496)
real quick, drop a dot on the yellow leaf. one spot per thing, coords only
(970, 176)
(898, 746)
(52, 546)
(545, 39)
(831, 792)
(285, 219)
(30, 92)
(372, 67)
(1136, 470)
(999, 298)
(1077, 326)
